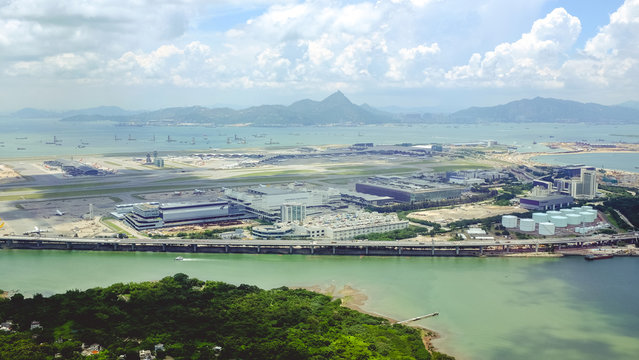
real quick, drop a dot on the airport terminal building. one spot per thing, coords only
(266, 202)
(153, 215)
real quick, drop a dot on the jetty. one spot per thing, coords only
(418, 318)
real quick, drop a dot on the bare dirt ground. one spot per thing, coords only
(470, 211)
(172, 231)
(8, 175)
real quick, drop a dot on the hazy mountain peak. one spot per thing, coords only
(337, 98)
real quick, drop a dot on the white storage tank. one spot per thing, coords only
(540, 217)
(509, 221)
(567, 211)
(589, 216)
(553, 213)
(586, 207)
(576, 208)
(527, 225)
(546, 228)
(592, 215)
(574, 219)
(559, 221)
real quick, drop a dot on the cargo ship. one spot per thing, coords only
(598, 256)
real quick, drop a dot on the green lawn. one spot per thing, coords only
(271, 173)
(183, 178)
(458, 167)
(376, 171)
(108, 222)
(58, 187)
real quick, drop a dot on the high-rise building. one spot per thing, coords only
(293, 212)
(585, 187)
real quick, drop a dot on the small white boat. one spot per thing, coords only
(179, 258)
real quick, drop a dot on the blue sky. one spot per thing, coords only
(442, 55)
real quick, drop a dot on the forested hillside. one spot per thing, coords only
(193, 319)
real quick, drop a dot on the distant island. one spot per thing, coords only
(185, 318)
(337, 109)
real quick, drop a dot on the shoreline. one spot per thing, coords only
(355, 300)
(567, 150)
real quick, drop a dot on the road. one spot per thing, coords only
(326, 243)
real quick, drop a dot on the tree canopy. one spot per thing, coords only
(192, 318)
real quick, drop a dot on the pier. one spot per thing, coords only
(418, 318)
(309, 247)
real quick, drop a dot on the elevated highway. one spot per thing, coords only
(317, 247)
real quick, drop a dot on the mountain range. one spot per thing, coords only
(337, 109)
(548, 110)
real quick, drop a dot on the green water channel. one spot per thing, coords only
(490, 308)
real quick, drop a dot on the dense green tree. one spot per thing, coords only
(192, 318)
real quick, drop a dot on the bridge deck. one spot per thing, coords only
(319, 247)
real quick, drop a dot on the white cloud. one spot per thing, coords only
(39, 28)
(310, 45)
(405, 63)
(610, 58)
(302, 44)
(534, 59)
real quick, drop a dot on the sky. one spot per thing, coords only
(442, 55)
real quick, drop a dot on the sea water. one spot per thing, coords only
(616, 161)
(35, 137)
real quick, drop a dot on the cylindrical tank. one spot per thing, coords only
(540, 217)
(559, 221)
(509, 221)
(567, 211)
(586, 207)
(553, 213)
(546, 228)
(574, 219)
(527, 225)
(576, 208)
(588, 216)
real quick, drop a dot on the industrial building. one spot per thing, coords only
(548, 202)
(474, 177)
(408, 189)
(150, 216)
(363, 199)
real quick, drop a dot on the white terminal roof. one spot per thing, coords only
(352, 220)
